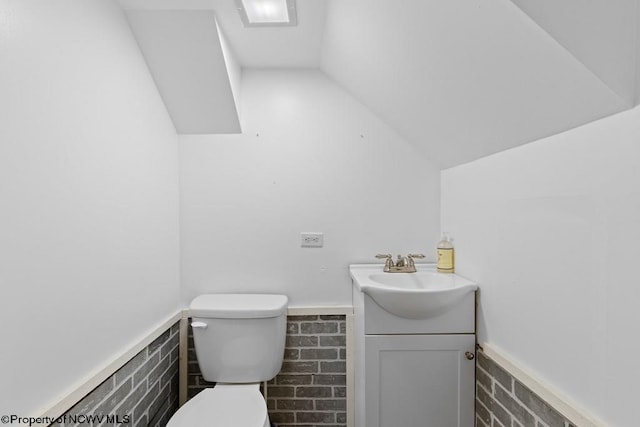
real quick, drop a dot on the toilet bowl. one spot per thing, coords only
(237, 405)
(239, 340)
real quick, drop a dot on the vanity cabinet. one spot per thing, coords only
(419, 381)
(414, 372)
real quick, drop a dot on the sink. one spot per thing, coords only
(419, 295)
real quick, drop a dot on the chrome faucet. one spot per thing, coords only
(402, 265)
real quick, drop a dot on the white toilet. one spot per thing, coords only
(239, 341)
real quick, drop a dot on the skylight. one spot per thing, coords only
(267, 13)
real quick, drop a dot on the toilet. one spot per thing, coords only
(239, 340)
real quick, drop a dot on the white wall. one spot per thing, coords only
(322, 162)
(550, 230)
(89, 246)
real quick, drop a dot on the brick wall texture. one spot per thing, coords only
(310, 390)
(502, 401)
(144, 392)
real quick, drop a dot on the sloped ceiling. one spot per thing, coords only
(283, 47)
(183, 50)
(460, 79)
(602, 34)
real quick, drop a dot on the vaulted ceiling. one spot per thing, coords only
(459, 79)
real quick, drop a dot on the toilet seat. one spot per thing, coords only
(238, 405)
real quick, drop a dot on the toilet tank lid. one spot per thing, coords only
(238, 306)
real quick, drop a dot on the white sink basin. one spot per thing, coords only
(419, 295)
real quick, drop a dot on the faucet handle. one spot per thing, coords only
(413, 257)
(388, 263)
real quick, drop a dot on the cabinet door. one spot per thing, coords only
(419, 380)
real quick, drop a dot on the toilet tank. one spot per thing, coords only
(239, 338)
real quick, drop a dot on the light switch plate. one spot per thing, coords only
(311, 240)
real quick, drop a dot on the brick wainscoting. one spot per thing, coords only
(143, 392)
(311, 387)
(503, 401)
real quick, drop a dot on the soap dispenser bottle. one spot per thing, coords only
(445, 255)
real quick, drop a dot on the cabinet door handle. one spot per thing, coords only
(469, 355)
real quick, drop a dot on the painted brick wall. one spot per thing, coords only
(145, 389)
(311, 387)
(503, 401)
